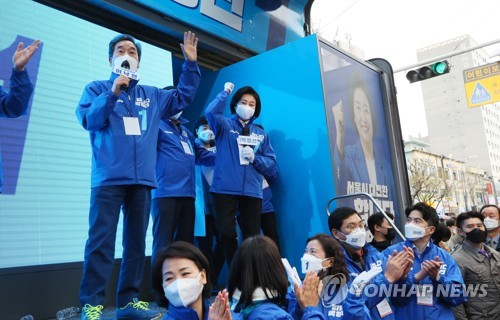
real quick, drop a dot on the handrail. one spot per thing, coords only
(372, 200)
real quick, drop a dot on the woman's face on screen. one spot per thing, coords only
(362, 115)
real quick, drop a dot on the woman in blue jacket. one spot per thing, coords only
(244, 155)
(181, 281)
(258, 284)
(324, 255)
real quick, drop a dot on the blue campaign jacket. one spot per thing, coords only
(351, 306)
(332, 312)
(451, 277)
(229, 176)
(120, 159)
(13, 104)
(205, 160)
(184, 313)
(271, 311)
(175, 172)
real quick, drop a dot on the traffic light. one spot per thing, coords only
(429, 71)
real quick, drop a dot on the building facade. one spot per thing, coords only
(448, 184)
(468, 134)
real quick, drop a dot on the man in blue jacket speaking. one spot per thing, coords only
(13, 104)
(123, 119)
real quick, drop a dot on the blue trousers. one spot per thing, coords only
(105, 205)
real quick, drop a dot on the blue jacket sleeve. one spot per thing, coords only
(265, 160)
(312, 313)
(214, 112)
(13, 104)
(204, 156)
(355, 307)
(174, 101)
(95, 107)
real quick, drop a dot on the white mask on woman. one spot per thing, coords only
(244, 112)
(311, 263)
(184, 292)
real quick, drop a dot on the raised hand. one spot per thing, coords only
(189, 47)
(22, 56)
(433, 267)
(307, 294)
(397, 264)
(220, 310)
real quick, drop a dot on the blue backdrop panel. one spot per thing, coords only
(288, 80)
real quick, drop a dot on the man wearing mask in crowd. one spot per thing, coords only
(347, 227)
(480, 267)
(433, 270)
(123, 119)
(13, 104)
(491, 215)
(382, 231)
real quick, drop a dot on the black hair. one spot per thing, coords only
(377, 219)
(450, 222)
(201, 122)
(237, 97)
(332, 250)
(429, 214)
(442, 233)
(467, 215)
(178, 249)
(338, 216)
(356, 82)
(124, 37)
(257, 263)
(489, 205)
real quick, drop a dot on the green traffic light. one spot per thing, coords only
(440, 67)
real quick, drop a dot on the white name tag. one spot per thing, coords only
(424, 295)
(126, 72)
(132, 127)
(186, 148)
(248, 140)
(384, 309)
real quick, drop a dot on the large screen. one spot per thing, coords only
(359, 141)
(46, 153)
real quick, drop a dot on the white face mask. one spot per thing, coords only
(356, 239)
(414, 232)
(490, 224)
(206, 135)
(176, 116)
(118, 62)
(184, 292)
(311, 263)
(244, 112)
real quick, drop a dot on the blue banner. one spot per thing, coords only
(358, 133)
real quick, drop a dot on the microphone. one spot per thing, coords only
(246, 132)
(125, 65)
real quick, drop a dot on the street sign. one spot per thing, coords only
(482, 84)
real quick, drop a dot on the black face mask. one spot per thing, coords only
(391, 234)
(476, 236)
